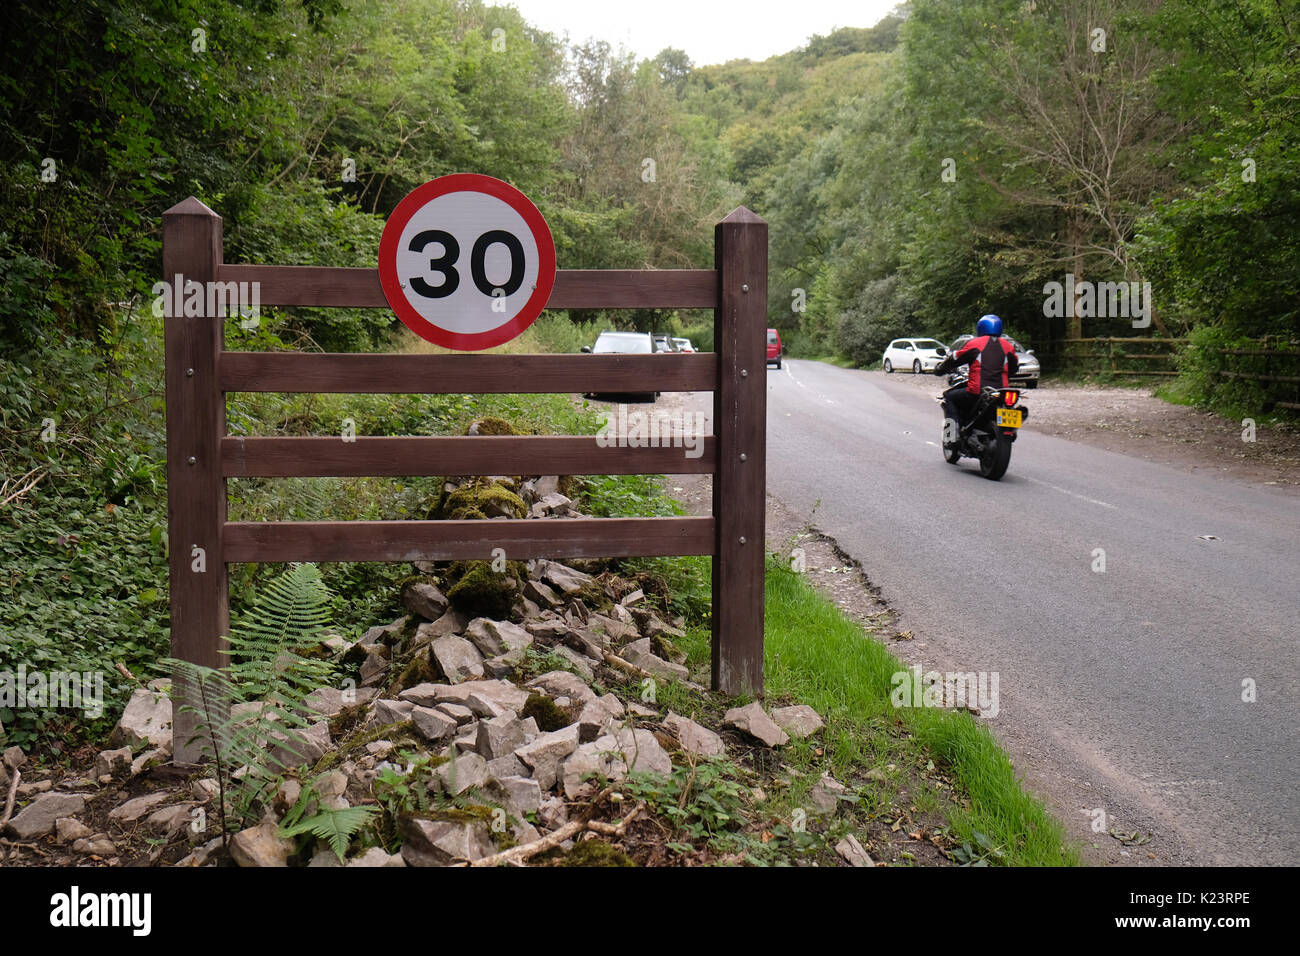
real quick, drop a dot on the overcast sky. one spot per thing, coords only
(710, 31)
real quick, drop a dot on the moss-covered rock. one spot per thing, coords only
(479, 591)
(479, 498)
(490, 426)
(546, 712)
(595, 853)
(418, 670)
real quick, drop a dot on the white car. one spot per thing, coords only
(684, 345)
(920, 355)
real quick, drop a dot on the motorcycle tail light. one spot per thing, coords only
(1011, 398)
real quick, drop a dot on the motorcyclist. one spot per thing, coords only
(992, 361)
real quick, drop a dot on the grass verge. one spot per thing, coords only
(817, 655)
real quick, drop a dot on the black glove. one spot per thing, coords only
(943, 367)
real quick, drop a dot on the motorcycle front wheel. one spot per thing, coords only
(995, 458)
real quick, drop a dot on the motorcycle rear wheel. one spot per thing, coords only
(995, 458)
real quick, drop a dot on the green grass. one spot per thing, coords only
(818, 656)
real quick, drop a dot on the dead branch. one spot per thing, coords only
(515, 856)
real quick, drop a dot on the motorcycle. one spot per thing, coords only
(990, 432)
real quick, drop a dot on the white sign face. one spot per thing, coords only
(467, 262)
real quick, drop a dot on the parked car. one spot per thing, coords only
(920, 355)
(664, 343)
(684, 345)
(774, 347)
(1026, 375)
(631, 343)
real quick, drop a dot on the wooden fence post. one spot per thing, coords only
(196, 423)
(740, 427)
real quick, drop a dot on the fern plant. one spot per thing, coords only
(335, 825)
(271, 680)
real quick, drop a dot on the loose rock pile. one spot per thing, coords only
(526, 752)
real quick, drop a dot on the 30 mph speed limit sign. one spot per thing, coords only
(466, 261)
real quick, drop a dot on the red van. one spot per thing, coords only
(774, 347)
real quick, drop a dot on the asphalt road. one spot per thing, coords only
(1127, 681)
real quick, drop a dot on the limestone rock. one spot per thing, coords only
(173, 819)
(458, 659)
(618, 631)
(611, 757)
(798, 721)
(261, 846)
(14, 758)
(376, 856)
(39, 816)
(563, 684)
(654, 627)
(753, 720)
(151, 758)
(147, 719)
(67, 829)
(499, 736)
(542, 593)
(597, 715)
(851, 851)
(443, 842)
(457, 712)
(496, 638)
(109, 761)
(424, 600)
(453, 622)
(825, 793)
(392, 711)
(312, 743)
(134, 809)
(544, 755)
(553, 812)
(97, 845)
(517, 795)
(581, 664)
(434, 725)
(462, 772)
(693, 737)
(565, 579)
(638, 654)
(500, 692)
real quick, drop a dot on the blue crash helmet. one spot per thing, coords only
(988, 325)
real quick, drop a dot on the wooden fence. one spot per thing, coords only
(1112, 356)
(201, 455)
(1271, 364)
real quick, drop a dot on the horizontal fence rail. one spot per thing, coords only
(467, 455)
(574, 288)
(455, 374)
(1103, 350)
(460, 540)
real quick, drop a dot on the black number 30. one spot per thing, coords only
(445, 263)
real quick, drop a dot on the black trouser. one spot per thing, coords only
(958, 403)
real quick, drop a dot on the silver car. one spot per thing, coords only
(635, 343)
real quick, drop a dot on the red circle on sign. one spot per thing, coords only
(391, 282)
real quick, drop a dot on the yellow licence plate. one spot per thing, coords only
(1010, 417)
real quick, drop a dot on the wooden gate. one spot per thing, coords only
(201, 455)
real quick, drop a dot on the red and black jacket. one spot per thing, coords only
(992, 362)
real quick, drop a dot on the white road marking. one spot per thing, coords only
(1065, 491)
